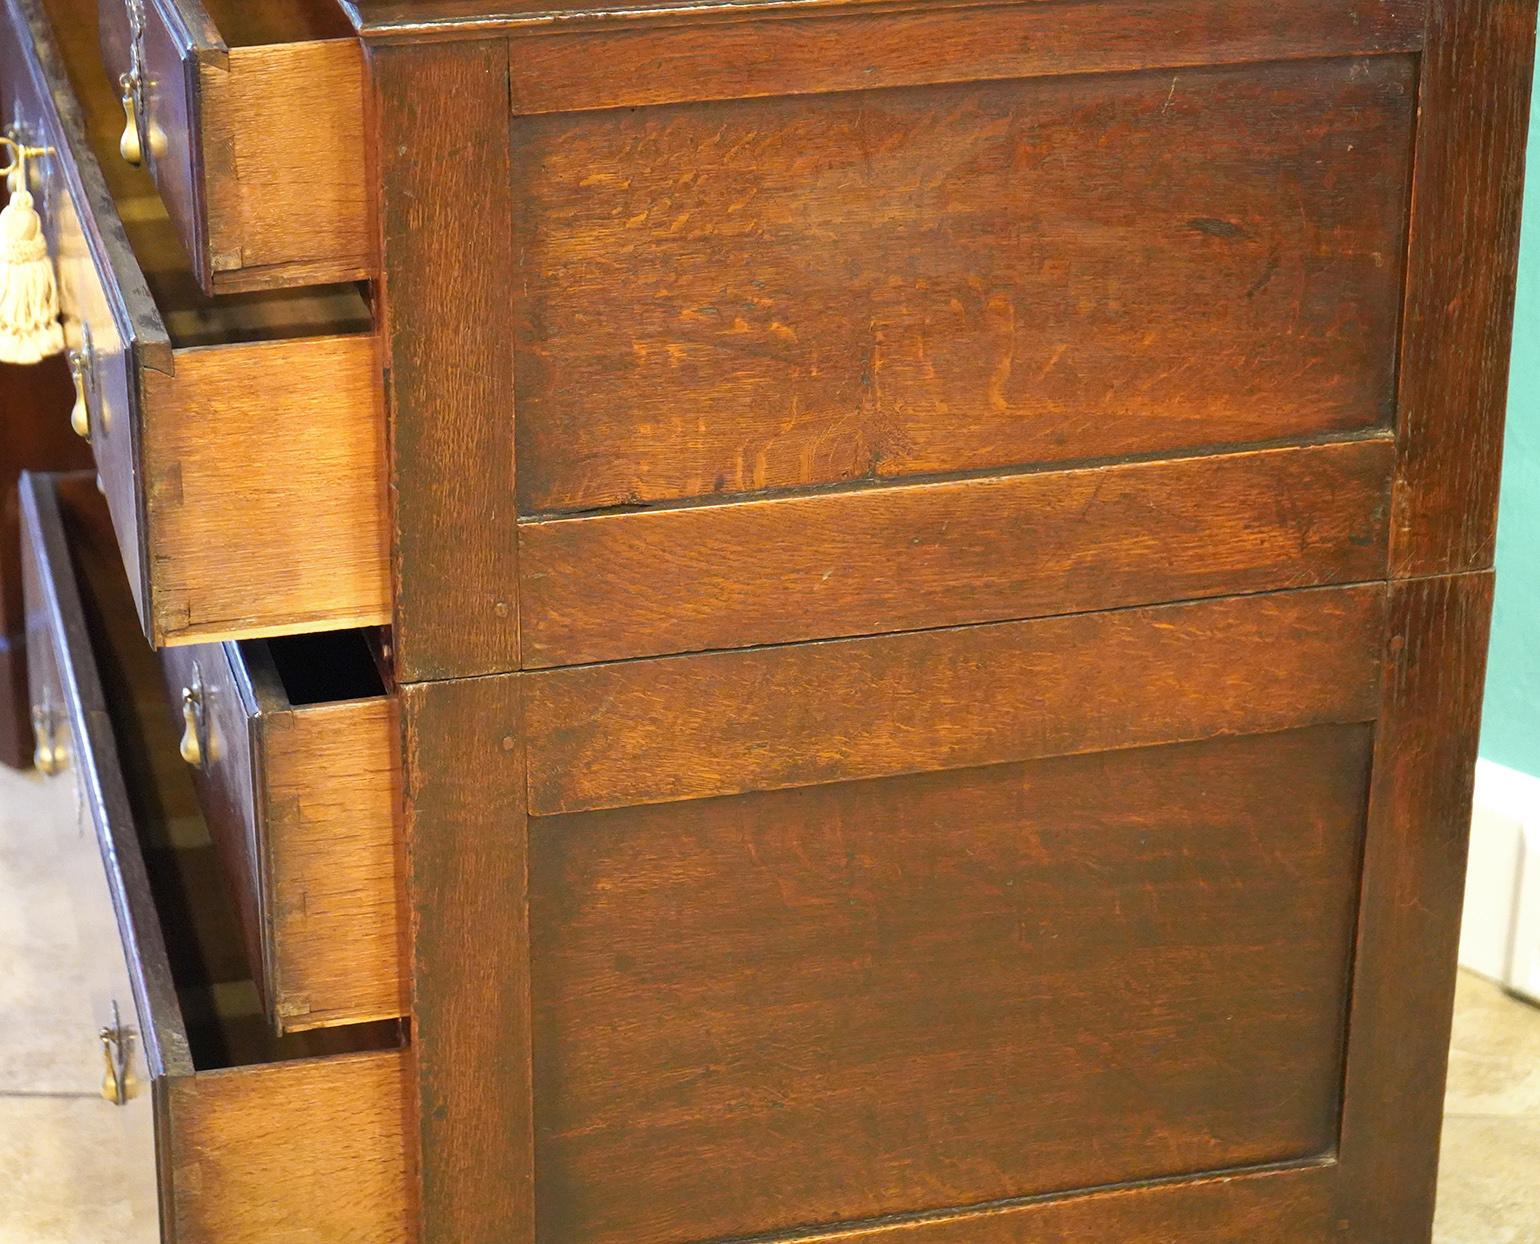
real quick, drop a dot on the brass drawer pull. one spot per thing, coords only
(82, 363)
(115, 1045)
(192, 723)
(132, 93)
(129, 146)
(49, 756)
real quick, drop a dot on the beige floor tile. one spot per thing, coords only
(47, 1027)
(65, 1178)
(1494, 1058)
(1489, 1181)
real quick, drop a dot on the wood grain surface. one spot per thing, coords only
(284, 161)
(265, 501)
(467, 848)
(843, 1002)
(723, 723)
(312, 1152)
(1414, 877)
(1283, 1206)
(1396, 21)
(939, 43)
(332, 786)
(765, 294)
(1466, 210)
(446, 328)
(979, 550)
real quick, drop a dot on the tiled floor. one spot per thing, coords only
(58, 1183)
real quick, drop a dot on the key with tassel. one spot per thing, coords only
(29, 291)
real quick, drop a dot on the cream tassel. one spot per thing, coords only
(29, 296)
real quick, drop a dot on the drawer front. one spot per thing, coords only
(301, 801)
(241, 449)
(255, 1137)
(257, 149)
(121, 1074)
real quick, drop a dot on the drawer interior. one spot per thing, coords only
(326, 667)
(193, 318)
(217, 1004)
(243, 24)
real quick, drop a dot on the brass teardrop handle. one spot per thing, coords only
(129, 145)
(80, 412)
(192, 724)
(115, 1040)
(112, 1074)
(48, 757)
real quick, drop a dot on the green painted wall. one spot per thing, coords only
(1510, 732)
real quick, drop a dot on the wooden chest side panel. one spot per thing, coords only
(843, 1002)
(760, 294)
(607, 586)
(727, 722)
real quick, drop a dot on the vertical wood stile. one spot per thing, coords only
(440, 148)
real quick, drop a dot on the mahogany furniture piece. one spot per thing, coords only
(777, 619)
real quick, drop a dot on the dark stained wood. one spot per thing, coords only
(226, 785)
(34, 436)
(469, 959)
(941, 44)
(760, 294)
(843, 1002)
(447, 276)
(1466, 210)
(979, 550)
(1235, 31)
(680, 271)
(1414, 873)
(1287, 1206)
(723, 723)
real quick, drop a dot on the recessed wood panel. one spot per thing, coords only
(837, 1003)
(687, 727)
(601, 587)
(761, 294)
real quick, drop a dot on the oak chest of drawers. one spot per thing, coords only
(776, 620)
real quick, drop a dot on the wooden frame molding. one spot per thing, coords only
(1463, 266)
(467, 845)
(441, 149)
(811, 55)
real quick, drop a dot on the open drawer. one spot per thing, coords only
(293, 745)
(238, 440)
(256, 1137)
(250, 119)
